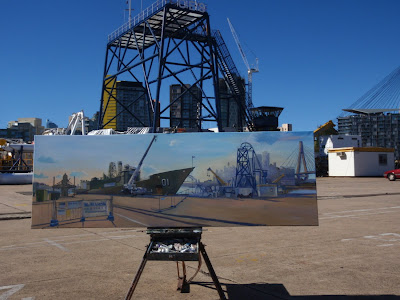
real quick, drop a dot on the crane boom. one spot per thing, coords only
(250, 71)
(239, 45)
(135, 174)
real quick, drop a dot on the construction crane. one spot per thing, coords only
(250, 70)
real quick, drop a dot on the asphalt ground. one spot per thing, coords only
(354, 253)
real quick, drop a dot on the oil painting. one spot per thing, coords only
(175, 180)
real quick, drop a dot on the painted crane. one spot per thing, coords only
(219, 179)
(250, 70)
(130, 187)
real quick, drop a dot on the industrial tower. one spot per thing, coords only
(249, 168)
(170, 42)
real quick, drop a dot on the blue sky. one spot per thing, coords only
(87, 157)
(315, 57)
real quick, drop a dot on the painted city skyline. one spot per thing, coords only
(88, 157)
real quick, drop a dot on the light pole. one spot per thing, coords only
(192, 170)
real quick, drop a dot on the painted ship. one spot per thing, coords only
(164, 183)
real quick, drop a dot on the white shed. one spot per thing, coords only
(357, 161)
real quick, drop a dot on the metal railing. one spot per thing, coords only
(231, 74)
(151, 10)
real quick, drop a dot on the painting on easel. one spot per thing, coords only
(175, 180)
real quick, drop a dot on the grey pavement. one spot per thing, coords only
(15, 201)
(353, 254)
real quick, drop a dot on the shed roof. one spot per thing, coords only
(361, 149)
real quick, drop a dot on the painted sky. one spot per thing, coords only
(316, 56)
(89, 156)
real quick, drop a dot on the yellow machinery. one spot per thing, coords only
(6, 159)
(219, 179)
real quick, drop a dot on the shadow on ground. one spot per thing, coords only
(278, 291)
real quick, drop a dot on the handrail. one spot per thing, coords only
(152, 9)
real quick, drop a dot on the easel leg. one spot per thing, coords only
(212, 272)
(183, 284)
(138, 274)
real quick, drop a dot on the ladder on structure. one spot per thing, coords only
(232, 76)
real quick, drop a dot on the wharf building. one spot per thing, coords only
(125, 105)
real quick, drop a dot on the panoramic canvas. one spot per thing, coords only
(175, 180)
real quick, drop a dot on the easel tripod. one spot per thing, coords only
(165, 235)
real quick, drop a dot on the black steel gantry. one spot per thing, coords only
(171, 41)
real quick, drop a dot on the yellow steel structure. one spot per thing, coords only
(110, 104)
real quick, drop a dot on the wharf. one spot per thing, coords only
(353, 253)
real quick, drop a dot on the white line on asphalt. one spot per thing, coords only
(47, 242)
(55, 244)
(129, 219)
(12, 289)
(69, 236)
(118, 237)
(98, 240)
(389, 233)
(382, 237)
(356, 216)
(356, 210)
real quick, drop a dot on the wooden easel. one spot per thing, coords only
(165, 234)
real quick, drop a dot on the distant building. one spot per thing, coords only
(286, 127)
(376, 128)
(93, 122)
(24, 128)
(50, 124)
(127, 105)
(185, 106)
(230, 109)
(375, 115)
(36, 123)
